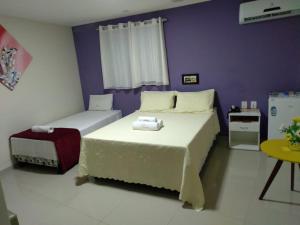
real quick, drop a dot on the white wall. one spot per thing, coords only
(50, 87)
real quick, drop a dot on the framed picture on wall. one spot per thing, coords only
(14, 59)
(188, 79)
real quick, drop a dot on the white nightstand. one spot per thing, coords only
(244, 130)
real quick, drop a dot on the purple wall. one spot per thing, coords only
(241, 62)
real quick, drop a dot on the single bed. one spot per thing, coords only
(170, 158)
(43, 152)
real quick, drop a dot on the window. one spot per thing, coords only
(133, 54)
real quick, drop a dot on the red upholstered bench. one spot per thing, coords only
(66, 142)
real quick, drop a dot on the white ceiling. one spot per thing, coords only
(76, 12)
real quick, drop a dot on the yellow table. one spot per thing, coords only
(278, 149)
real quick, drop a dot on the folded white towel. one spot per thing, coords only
(147, 118)
(42, 129)
(145, 125)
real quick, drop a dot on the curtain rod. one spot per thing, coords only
(163, 20)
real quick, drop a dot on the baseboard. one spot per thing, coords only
(5, 165)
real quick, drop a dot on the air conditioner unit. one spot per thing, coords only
(260, 10)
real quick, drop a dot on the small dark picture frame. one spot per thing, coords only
(188, 79)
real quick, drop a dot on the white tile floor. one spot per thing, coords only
(232, 179)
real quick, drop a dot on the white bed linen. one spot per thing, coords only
(85, 122)
(170, 158)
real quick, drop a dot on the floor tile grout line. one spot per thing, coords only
(111, 211)
(102, 219)
(58, 202)
(63, 204)
(172, 217)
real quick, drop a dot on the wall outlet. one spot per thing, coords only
(244, 105)
(253, 104)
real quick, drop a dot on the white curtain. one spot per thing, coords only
(133, 54)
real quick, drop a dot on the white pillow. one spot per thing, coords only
(157, 100)
(100, 102)
(195, 101)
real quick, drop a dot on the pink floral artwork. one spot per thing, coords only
(14, 59)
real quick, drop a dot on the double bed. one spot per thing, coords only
(43, 152)
(170, 158)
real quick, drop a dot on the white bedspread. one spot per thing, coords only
(170, 158)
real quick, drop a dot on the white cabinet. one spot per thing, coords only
(6, 217)
(281, 111)
(3, 210)
(244, 130)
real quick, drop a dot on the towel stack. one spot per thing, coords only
(147, 123)
(42, 129)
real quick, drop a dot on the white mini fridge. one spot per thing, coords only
(282, 108)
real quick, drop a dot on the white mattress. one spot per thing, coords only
(85, 122)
